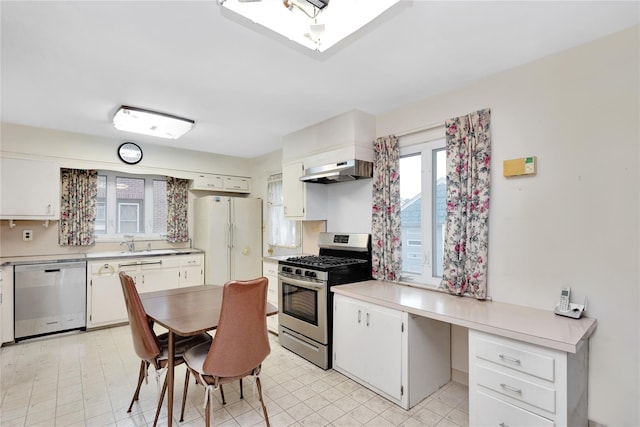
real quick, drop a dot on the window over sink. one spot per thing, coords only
(131, 204)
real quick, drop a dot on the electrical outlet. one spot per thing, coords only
(27, 235)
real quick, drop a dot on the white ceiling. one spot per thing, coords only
(68, 65)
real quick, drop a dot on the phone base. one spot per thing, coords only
(575, 311)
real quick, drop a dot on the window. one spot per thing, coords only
(131, 204)
(282, 232)
(422, 193)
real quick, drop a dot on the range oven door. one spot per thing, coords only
(303, 307)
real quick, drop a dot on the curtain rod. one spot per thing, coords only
(420, 129)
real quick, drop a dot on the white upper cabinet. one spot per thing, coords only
(30, 189)
(229, 184)
(347, 136)
(302, 201)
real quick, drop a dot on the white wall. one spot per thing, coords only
(576, 222)
(78, 150)
(83, 151)
(350, 206)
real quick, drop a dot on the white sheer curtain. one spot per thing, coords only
(282, 232)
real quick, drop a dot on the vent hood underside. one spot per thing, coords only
(349, 170)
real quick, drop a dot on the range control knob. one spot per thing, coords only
(310, 274)
(298, 271)
(287, 269)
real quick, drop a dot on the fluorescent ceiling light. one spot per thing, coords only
(301, 21)
(147, 122)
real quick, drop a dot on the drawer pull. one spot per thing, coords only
(503, 425)
(509, 359)
(511, 388)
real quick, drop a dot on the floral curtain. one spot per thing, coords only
(177, 203)
(467, 218)
(385, 224)
(79, 190)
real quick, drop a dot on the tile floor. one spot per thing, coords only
(88, 379)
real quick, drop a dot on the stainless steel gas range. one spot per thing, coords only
(305, 301)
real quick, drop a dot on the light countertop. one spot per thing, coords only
(541, 327)
(36, 259)
(276, 258)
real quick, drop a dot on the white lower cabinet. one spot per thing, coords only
(105, 302)
(402, 357)
(191, 270)
(270, 271)
(513, 383)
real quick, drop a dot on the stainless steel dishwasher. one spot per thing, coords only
(49, 298)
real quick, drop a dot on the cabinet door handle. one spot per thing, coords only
(511, 388)
(503, 425)
(509, 359)
(359, 314)
(367, 319)
(128, 264)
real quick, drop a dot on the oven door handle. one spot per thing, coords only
(302, 283)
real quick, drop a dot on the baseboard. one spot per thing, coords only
(463, 378)
(595, 424)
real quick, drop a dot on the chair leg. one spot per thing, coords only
(162, 393)
(184, 394)
(224, 402)
(264, 408)
(241, 395)
(207, 410)
(143, 368)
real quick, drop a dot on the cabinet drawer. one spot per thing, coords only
(495, 412)
(105, 268)
(236, 183)
(191, 262)
(517, 388)
(521, 358)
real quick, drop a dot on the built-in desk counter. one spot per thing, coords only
(535, 326)
(526, 366)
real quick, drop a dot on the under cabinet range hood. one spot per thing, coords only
(348, 170)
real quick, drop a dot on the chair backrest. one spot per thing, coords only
(145, 341)
(241, 342)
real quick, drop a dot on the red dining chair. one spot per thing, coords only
(240, 344)
(151, 348)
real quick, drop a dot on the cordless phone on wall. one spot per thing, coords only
(566, 308)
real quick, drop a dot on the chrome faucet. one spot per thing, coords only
(130, 244)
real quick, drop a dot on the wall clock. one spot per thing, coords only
(130, 153)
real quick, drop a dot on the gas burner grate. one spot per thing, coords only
(324, 260)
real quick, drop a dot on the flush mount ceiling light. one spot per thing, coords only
(147, 122)
(316, 24)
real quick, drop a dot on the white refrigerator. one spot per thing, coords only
(229, 231)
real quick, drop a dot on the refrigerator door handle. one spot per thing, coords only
(230, 236)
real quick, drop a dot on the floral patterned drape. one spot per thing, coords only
(78, 191)
(177, 203)
(385, 224)
(467, 219)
